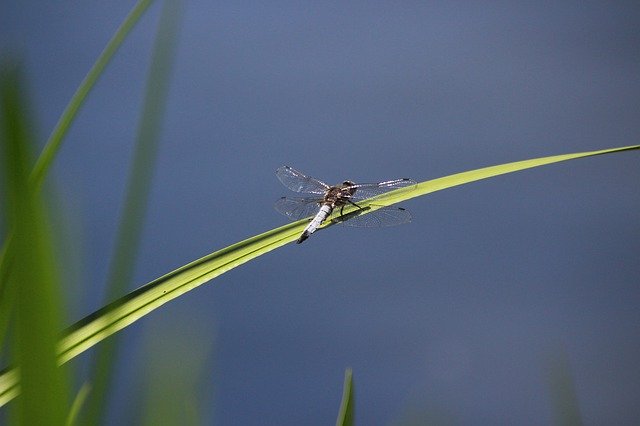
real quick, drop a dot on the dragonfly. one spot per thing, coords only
(325, 201)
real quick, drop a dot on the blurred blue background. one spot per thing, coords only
(456, 317)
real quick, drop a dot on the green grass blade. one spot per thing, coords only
(138, 188)
(9, 386)
(123, 312)
(60, 130)
(78, 403)
(55, 139)
(7, 295)
(346, 414)
(434, 185)
(45, 390)
(142, 301)
(457, 179)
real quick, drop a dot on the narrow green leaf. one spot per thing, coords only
(142, 301)
(457, 179)
(128, 309)
(60, 130)
(346, 414)
(33, 281)
(78, 403)
(9, 381)
(55, 139)
(9, 388)
(7, 295)
(138, 188)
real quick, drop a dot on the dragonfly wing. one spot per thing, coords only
(368, 190)
(298, 208)
(382, 217)
(299, 182)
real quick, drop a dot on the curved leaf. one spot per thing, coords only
(123, 312)
(62, 126)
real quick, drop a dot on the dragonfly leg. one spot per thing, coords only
(351, 202)
(343, 217)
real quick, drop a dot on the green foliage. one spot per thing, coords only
(54, 142)
(43, 163)
(346, 415)
(78, 403)
(135, 205)
(30, 231)
(33, 280)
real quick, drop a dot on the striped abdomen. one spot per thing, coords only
(320, 217)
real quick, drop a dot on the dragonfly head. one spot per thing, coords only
(348, 186)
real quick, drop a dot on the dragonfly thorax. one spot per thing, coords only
(339, 195)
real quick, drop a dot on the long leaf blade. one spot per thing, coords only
(346, 415)
(123, 312)
(54, 142)
(62, 126)
(33, 281)
(135, 205)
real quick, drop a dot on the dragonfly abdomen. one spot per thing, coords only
(320, 217)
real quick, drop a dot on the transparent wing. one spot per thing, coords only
(299, 182)
(368, 190)
(298, 208)
(384, 216)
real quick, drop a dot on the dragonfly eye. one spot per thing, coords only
(348, 188)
